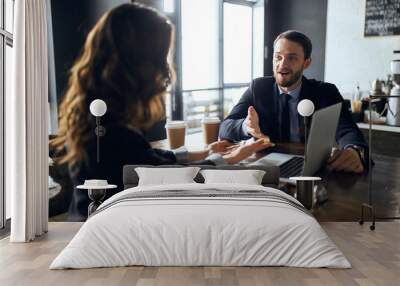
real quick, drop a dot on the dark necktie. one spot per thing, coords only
(285, 117)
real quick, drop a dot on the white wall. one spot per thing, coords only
(351, 57)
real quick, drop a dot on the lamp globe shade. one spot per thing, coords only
(305, 107)
(98, 107)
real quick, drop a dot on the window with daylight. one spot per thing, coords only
(219, 50)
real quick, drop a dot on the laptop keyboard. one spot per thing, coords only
(292, 168)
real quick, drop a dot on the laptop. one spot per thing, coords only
(320, 142)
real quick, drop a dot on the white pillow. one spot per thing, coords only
(249, 177)
(164, 176)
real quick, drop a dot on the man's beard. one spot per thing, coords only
(291, 80)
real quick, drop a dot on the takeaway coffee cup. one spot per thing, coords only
(176, 133)
(210, 129)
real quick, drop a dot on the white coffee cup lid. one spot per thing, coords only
(210, 120)
(175, 124)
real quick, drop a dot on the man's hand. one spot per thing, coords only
(242, 151)
(252, 124)
(219, 147)
(346, 160)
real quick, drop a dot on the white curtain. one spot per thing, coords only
(26, 123)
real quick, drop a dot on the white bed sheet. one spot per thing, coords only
(200, 231)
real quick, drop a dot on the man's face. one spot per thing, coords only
(288, 62)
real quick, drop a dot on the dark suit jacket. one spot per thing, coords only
(120, 146)
(263, 96)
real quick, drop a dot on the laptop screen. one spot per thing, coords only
(321, 138)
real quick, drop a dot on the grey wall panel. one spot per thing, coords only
(307, 16)
(71, 22)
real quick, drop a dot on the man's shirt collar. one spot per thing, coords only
(294, 93)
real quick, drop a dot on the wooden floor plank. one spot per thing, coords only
(374, 255)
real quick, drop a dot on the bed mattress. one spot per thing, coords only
(201, 225)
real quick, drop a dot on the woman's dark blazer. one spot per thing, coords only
(120, 146)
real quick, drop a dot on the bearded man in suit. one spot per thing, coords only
(268, 108)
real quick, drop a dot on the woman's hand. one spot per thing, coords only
(221, 147)
(246, 150)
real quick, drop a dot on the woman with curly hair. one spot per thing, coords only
(126, 63)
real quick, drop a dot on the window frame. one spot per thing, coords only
(177, 101)
(6, 39)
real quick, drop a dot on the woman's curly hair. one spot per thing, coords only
(125, 62)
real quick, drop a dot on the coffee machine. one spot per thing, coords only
(393, 113)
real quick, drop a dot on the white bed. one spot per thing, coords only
(224, 225)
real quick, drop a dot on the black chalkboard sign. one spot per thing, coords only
(382, 17)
